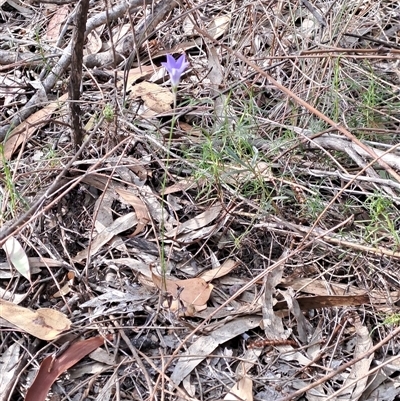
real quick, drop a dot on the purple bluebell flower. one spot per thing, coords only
(175, 68)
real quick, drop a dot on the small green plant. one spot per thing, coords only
(336, 84)
(11, 195)
(392, 320)
(108, 113)
(371, 98)
(51, 156)
(382, 217)
(312, 207)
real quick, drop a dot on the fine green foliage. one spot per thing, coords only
(10, 197)
(108, 113)
(392, 320)
(383, 219)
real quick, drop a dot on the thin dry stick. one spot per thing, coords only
(342, 368)
(370, 372)
(303, 103)
(29, 216)
(136, 357)
(359, 247)
(317, 113)
(240, 291)
(181, 392)
(26, 218)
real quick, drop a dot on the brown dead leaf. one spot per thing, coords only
(355, 383)
(193, 291)
(241, 391)
(94, 43)
(141, 172)
(25, 130)
(379, 299)
(218, 26)
(194, 134)
(197, 222)
(46, 324)
(182, 185)
(155, 97)
(66, 288)
(134, 74)
(271, 323)
(55, 23)
(175, 306)
(226, 268)
(320, 287)
(121, 224)
(304, 327)
(52, 367)
(41, 262)
(327, 301)
(140, 209)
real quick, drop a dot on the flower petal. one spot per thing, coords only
(181, 60)
(171, 61)
(175, 68)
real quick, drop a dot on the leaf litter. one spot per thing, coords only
(237, 247)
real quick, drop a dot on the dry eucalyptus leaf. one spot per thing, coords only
(188, 26)
(45, 262)
(52, 367)
(182, 185)
(26, 129)
(17, 257)
(103, 205)
(56, 22)
(64, 290)
(9, 364)
(156, 209)
(242, 390)
(12, 296)
(140, 209)
(134, 74)
(46, 324)
(197, 222)
(219, 26)
(223, 270)
(94, 43)
(206, 345)
(155, 97)
(193, 291)
(35, 264)
(121, 224)
(356, 381)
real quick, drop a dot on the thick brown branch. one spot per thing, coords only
(74, 88)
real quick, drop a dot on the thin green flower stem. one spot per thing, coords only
(164, 184)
